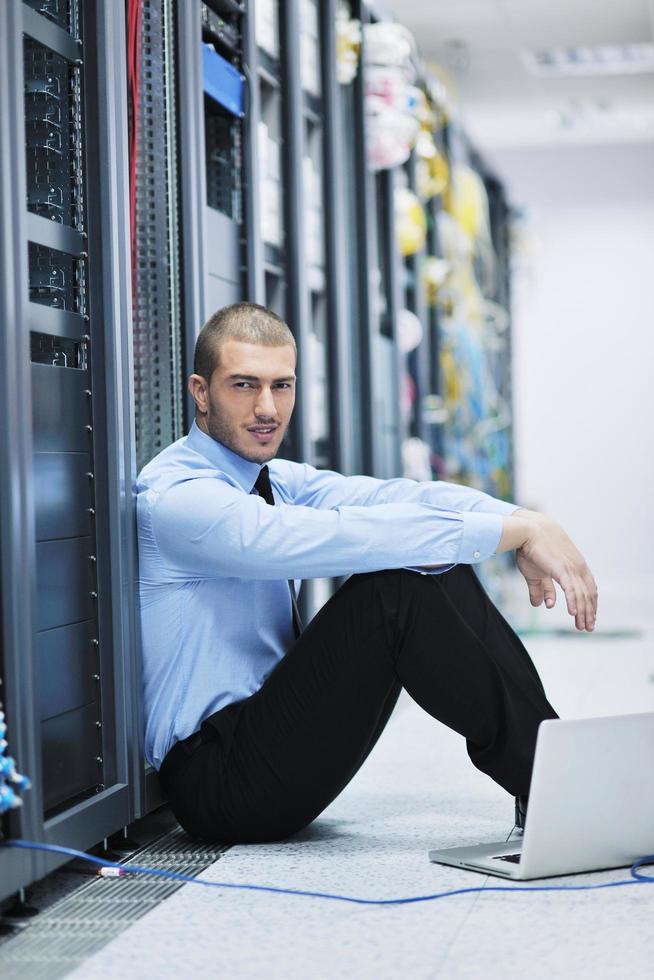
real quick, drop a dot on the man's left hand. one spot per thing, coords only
(541, 586)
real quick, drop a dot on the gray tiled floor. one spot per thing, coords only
(417, 790)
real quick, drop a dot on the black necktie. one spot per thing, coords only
(263, 488)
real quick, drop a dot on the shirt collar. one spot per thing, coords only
(242, 470)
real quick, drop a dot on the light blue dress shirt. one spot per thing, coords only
(215, 559)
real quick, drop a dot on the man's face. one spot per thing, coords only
(249, 401)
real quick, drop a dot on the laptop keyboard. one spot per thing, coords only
(513, 858)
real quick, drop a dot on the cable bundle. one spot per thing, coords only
(392, 101)
(11, 781)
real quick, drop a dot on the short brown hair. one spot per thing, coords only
(248, 323)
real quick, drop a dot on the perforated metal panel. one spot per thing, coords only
(53, 129)
(158, 381)
(57, 279)
(75, 927)
(224, 161)
(62, 418)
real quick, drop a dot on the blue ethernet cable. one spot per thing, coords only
(115, 869)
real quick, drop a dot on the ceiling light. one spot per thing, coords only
(600, 59)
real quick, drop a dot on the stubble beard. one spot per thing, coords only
(227, 435)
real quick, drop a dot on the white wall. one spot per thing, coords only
(584, 351)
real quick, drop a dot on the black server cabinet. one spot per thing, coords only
(418, 361)
(500, 226)
(17, 868)
(387, 365)
(68, 647)
(434, 411)
(374, 277)
(224, 109)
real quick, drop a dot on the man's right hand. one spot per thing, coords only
(545, 554)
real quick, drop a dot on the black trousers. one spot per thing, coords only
(266, 766)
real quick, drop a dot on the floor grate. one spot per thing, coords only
(60, 938)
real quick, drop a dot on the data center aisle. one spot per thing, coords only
(417, 790)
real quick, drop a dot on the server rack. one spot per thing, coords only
(500, 222)
(494, 471)
(157, 313)
(420, 359)
(343, 347)
(223, 109)
(16, 529)
(70, 693)
(378, 273)
(387, 362)
(352, 237)
(433, 325)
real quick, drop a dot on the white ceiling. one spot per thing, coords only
(480, 42)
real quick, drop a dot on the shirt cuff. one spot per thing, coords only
(481, 536)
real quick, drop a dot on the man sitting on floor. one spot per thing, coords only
(255, 725)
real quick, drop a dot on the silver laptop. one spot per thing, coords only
(591, 803)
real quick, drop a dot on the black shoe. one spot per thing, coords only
(521, 803)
